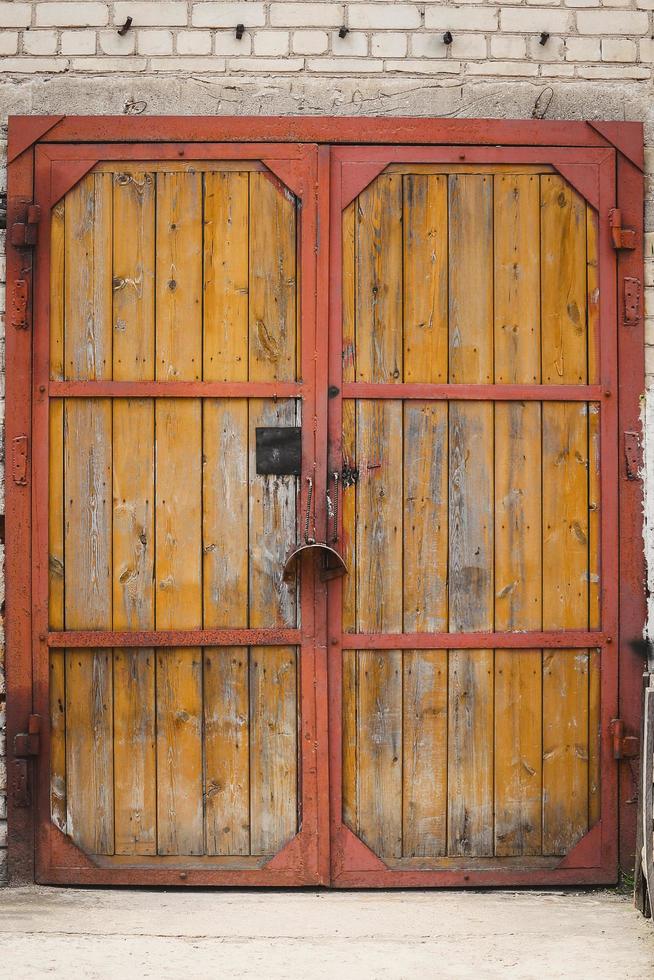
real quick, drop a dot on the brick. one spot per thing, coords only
(155, 42)
(646, 49)
(508, 68)
(268, 66)
(271, 43)
(533, 21)
(71, 14)
(78, 42)
(388, 45)
(340, 66)
(354, 43)
(29, 66)
(40, 42)
(99, 65)
(307, 15)
(194, 42)
(226, 42)
(461, 18)
(3, 833)
(618, 49)
(8, 42)
(612, 22)
(206, 65)
(468, 46)
(505, 46)
(156, 13)
(374, 16)
(15, 14)
(228, 14)
(428, 46)
(582, 49)
(557, 71)
(113, 44)
(613, 71)
(310, 42)
(425, 67)
(554, 50)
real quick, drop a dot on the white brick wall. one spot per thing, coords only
(183, 56)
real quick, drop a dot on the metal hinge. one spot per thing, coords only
(18, 306)
(624, 746)
(633, 455)
(631, 302)
(25, 233)
(620, 237)
(27, 744)
(19, 454)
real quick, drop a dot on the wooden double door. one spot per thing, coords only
(404, 356)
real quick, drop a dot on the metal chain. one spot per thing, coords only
(307, 539)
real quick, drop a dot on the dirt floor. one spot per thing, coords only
(52, 932)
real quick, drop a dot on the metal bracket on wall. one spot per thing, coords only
(631, 301)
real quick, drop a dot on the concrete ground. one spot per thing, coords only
(53, 932)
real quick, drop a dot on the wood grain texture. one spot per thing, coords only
(226, 750)
(424, 753)
(518, 749)
(58, 739)
(57, 289)
(273, 281)
(133, 276)
(88, 242)
(226, 276)
(470, 278)
(516, 279)
(134, 752)
(594, 518)
(379, 740)
(593, 293)
(594, 737)
(349, 288)
(379, 281)
(425, 273)
(349, 776)
(273, 748)
(349, 510)
(563, 283)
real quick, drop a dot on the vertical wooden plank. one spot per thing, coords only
(226, 276)
(57, 289)
(133, 276)
(594, 736)
(58, 739)
(273, 286)
(379, 516)
(592, 292)
(518, 745)
(425, 516)
(516, 278)
(379, 739)
(273, 748)
(349, 514)
(272, 602)
(425, 278)
(88, 237)
(89, 750)
(470, 753)
(518, 545)
(594, 517)
(179, 276)
(227, 762)
(349, 288)
(134, 752)
(424, 742)
(470, 278)
(379, 280)
(565, 749)
(349, 740)
(594, 521)
(563, 279)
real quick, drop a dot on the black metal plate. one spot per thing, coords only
(279, 450)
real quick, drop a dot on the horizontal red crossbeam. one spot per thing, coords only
(555, 639)
(476, 392)
(79, 639)
(175, 389)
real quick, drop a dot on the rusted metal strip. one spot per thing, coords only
(78, 639)
(175, 389)
(473, 392)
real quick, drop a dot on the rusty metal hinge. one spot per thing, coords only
(624, 746)
(631, 301)
(19, 456)
(27, 744)
(621, 238)
(18, 308)
(25, 233)
(633, 455)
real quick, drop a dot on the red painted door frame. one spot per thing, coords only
(605, 159)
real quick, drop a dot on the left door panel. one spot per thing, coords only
(175, 317)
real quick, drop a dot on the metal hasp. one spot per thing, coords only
(332, 565)
(279, 450)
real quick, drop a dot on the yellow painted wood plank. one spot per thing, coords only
(379, 516)
(425, 516)
(471, 278)
(58, 738)
(594, 518)
(565, 749)
(89, 750)
(349, 514)
(518, 749)
(425, 278)
(563, 283)
(379, 739)
(272, 522)
(273, 748)
(349, 737)
(518, 545)
(349, 287)
(424, 748)
(273, 281)
(594, 736)
(517, 279)
(227, 750)
(470, 753)
(592, 288)
(379, 281)
(57, 289)
(134, 752)
(88, 238)
(133, 276)
(179, 277)
(56, 515)
(226, 276)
